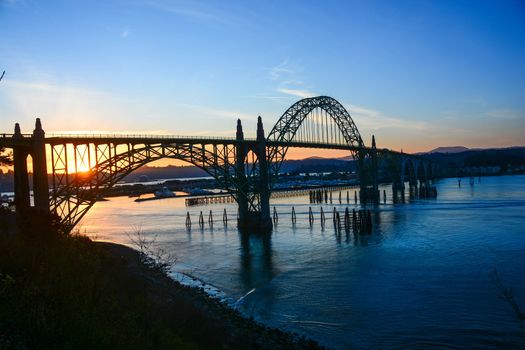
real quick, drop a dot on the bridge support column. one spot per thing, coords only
(398, 183)
(240, 178)
(253, 219)
(369, 189)
(40, 180)
(22, 198)
(398, 191)
(265, 221)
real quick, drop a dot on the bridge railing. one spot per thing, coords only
(8, 136)
(134, 136)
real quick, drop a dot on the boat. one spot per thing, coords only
(164, 192)
(198, 192)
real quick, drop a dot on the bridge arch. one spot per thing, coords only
(430, 171)
(409, 171)
(72, 201)
(421, 171)
(334, 116)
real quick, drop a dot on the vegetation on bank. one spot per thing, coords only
(67, 292)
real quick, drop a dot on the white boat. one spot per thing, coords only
(164, 192)
(198, 192)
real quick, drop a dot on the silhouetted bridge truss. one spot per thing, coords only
(82, 167)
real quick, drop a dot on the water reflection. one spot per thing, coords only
(257, 271)
(421, 275)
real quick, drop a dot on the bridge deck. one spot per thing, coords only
(7, 140)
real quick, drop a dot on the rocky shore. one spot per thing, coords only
(67, 292)
(200, 315)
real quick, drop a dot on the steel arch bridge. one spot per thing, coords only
(81, 167)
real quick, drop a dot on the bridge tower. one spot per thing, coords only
(252, 218)
(240, 175)
(368, 173)
(21, 177)
(21, 150)
(265, 221)
(40, 180)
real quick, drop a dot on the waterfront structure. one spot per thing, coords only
(81, 167)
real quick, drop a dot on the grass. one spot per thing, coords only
(62, 291)
(67, 292)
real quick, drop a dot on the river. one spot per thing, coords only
(421, 279)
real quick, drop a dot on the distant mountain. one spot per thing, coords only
(450, 149)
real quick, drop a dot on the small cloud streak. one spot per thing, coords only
(124, 34)
(367, 118)
(280, 69)
(215, 112)
(192, 10)
(297, 92)
(505, 114)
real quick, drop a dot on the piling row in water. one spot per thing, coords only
(222, 198)
(427, 191)
(307, 191)
(321, 196)
(359, 222)
(227, 198)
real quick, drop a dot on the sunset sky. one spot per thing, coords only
(417, 74)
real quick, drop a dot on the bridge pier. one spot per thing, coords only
(40, 180)
(242, 184)
(21, 177)
(253, 220)
(265, 221)
(369, 189)
(21, 150)
(398, 191)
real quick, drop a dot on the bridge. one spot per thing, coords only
(71, 171)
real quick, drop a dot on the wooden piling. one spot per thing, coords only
(188, 220)
(201, 220)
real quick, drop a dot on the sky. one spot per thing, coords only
(416, 74)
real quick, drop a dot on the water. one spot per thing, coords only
(422, 279)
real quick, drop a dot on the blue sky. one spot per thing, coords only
(417, 74)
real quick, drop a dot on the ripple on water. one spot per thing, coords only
(422, 279)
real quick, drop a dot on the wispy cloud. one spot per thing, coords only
(124, 34)
(217, 112)
(282, 68)
(194, 10)
(296, 92)
(8, 2)
(505, 113)
(64, 106)
(289, 81)
(367, 118)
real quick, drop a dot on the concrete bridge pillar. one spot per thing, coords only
(398, 185)
(22, 199)
(369, 191)
(253, 220)
(240, 176)
(40, 180)
(265, 221)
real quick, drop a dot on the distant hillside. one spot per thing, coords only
(451, 149)
(496, 157)
(308, 165)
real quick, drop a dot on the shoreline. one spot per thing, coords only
(242, 331)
